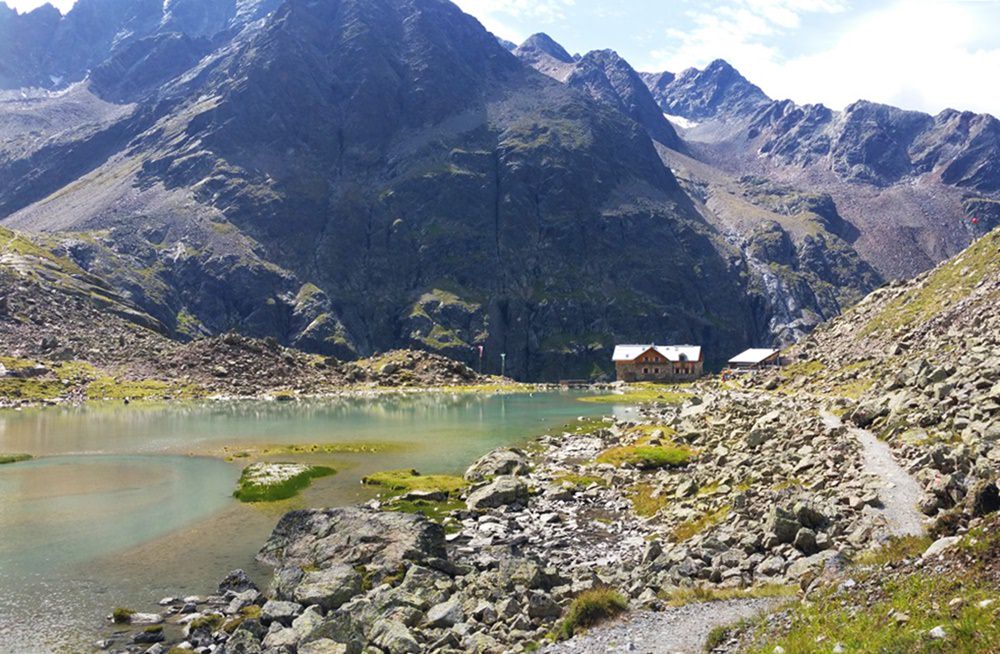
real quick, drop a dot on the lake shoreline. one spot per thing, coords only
(450, 431)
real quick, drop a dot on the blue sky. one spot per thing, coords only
(918, 54)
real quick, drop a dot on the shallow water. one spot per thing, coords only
(128, 504)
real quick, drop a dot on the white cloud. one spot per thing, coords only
(920, 54)
(496, 15)
(27, 5)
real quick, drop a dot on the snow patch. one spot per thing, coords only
(680, 121)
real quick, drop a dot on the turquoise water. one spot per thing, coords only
(126, 504)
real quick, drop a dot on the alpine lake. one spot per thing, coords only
(121, 505)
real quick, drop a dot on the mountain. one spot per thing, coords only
(45, 49)
(350, 177)
(607, 78)
(354, 176)
(918, 188)
(795, 248)
(718, 90)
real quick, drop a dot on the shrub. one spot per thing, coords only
(590, 608)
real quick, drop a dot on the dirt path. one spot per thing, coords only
(680, 630)
(900, 493)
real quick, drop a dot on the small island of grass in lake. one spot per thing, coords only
(270, 482)
(14, 458)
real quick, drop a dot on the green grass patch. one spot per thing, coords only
(699, 594)
(436, 511)
(643, 393)
(31, 390)
(252, 489)
(643, 501)
(13, 458)
(895, 550)
(212, 622)
(950, 283)
(110, 388)
(646, 457)
(406, 481)
(353, 447)
(872, 622)
(398, 483)
(590, 608)
(695, 526)
(121, 615)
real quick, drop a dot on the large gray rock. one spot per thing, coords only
(241, 642)
(504, 461)
(394, 637)
(323, 646)
(280, 612)
(381, 541)
(236, 581)
(500, 492)
(781, 524)
(446, 614)
(541, 605)
(329, 587)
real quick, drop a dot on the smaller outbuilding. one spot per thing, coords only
(756, 358)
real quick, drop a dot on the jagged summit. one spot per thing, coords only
(544, 43)
(717, 90)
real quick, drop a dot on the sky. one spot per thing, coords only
(917, 54)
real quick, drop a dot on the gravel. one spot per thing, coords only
(672, 631)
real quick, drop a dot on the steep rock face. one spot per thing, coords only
(318, 176)
(697, 95)
(797, 249)
(44, 49)
(605, 77)
(903, 178)
(611, 80)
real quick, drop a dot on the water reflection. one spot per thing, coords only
(115, 512)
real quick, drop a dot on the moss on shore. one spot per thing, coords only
(251, 488)
(644, 393)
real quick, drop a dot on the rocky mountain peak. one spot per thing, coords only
(718, 90)
(608, 78)
(543, 43)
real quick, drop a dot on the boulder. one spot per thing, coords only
(446, 614)
(504, 461)
(382, 541)
(236, 581)
(394, 637)
(541, 605)
(323, 646)
(808, 515)
(280, 612)
(983, 499)
(329, 587)
(939, 546)
(500, 492)
(242, 641)
(781, 524)
(805, 541)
